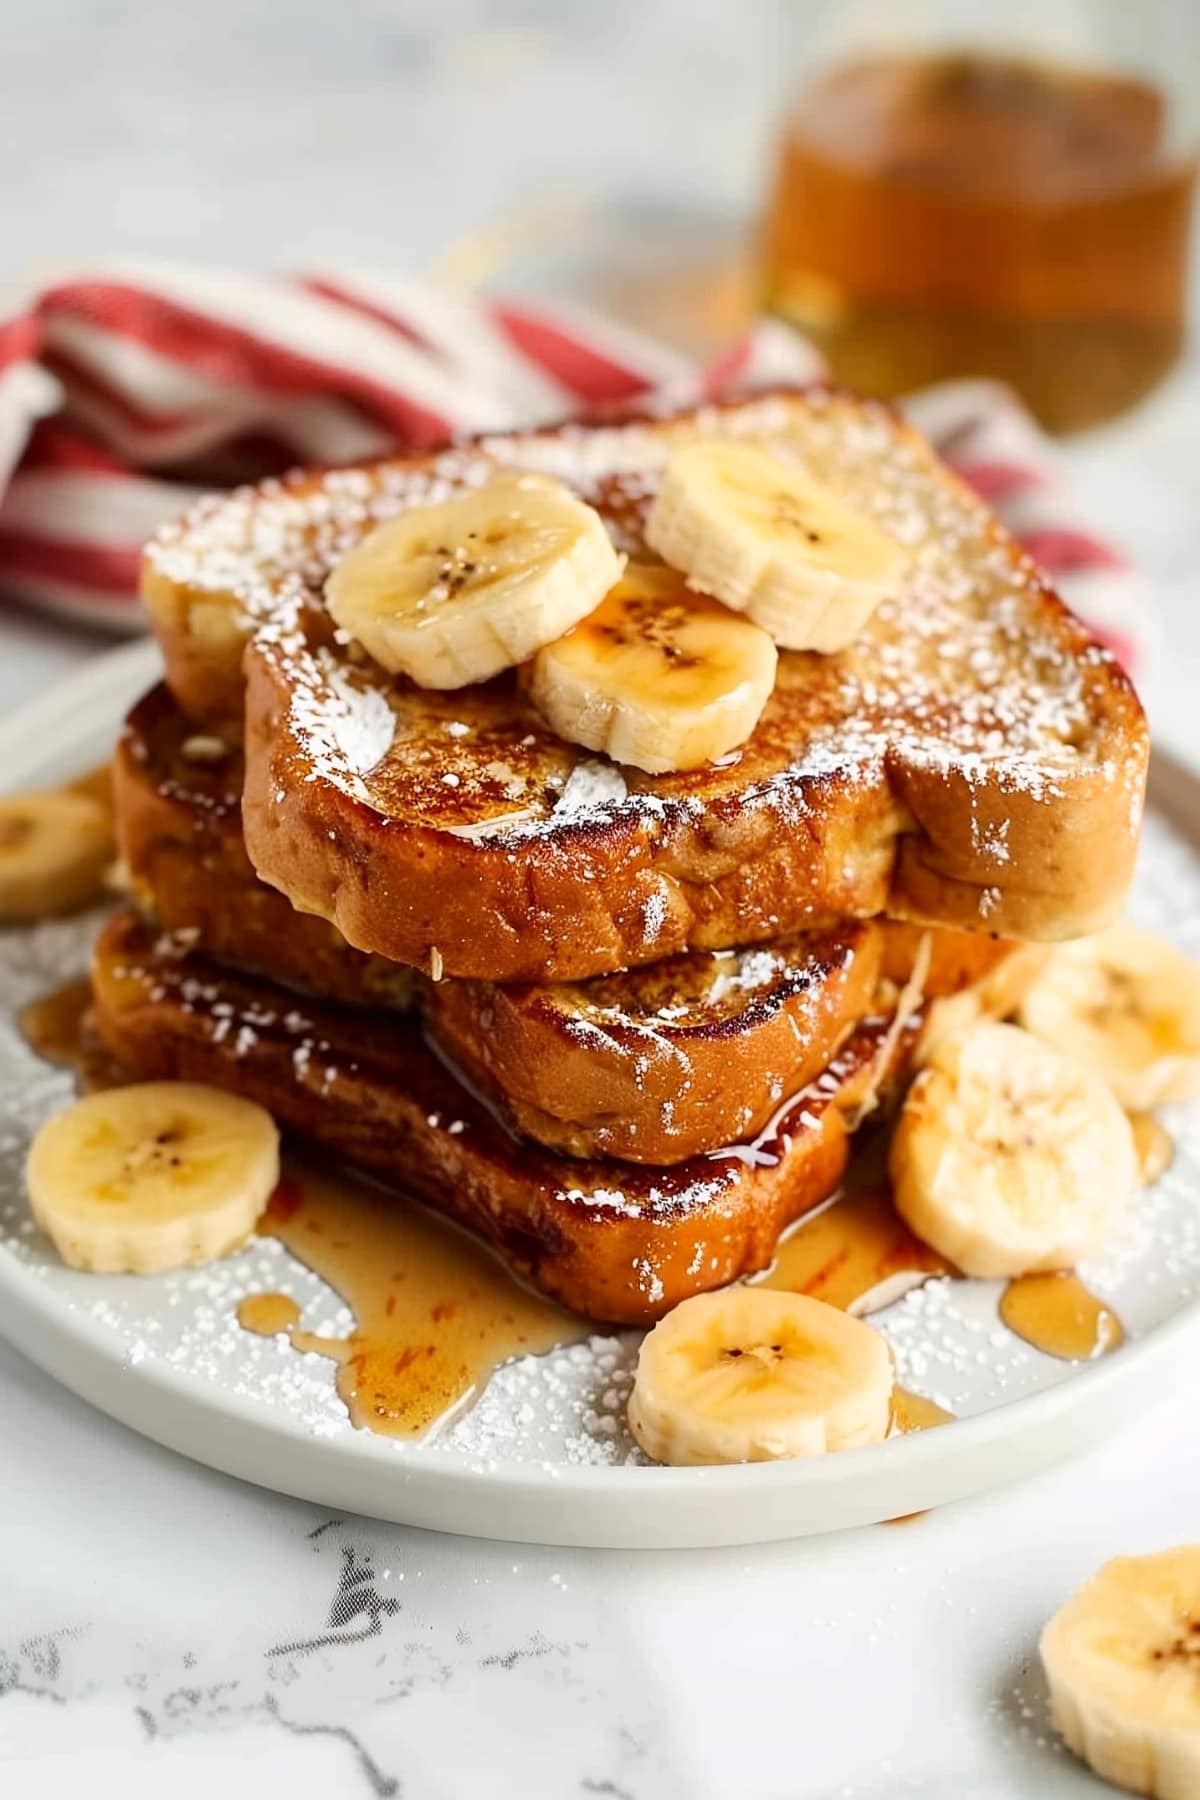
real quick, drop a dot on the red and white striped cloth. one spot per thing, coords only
(126, 388)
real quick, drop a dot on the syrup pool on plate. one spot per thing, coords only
(56, 1029)
(856, 1253)
(435, 1312)
(1057, 1314)
(915, 1412)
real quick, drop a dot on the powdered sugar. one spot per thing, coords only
(970, 671)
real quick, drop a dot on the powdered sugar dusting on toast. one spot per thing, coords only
(970, 669)
(702, 990)
(352, 731)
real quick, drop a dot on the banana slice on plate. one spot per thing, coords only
(752, 1374)
(454, 593)
(1121, 1659)
(1008, 1158)
(657, 677)
(769, 541)
(157, 1176)
(54, 851)
(1125, 1004)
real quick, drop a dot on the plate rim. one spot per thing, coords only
(72, 1346)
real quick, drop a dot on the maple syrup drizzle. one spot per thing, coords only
(435, 1313)
(1058, 1315)
(53, 1026)
(268, 1314)
(1154, 1145)
(915, 1412)
(856, 1254)
(56, 1029)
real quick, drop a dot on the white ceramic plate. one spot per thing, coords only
(543, 1456)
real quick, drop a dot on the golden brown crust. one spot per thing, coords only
(655, 1065)
(957, 959)
(589, 896)
(611, 1240)
(974, 759)
(667, 1061)
(179, 828)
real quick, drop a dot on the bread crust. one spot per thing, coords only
(668, 1061)
(179, 832)
(610, 1240)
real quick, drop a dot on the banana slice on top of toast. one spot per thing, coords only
(1008, 1158)
(766, 539)
(756, 1374)
(658, 677)
(454, 593)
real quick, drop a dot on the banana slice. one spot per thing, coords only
(454, 593)
(769, 541)
(657, 676)
(54, 850)
(1008, 1158)
(1126, 1005)
(752, 1374)
(1122, 1659)
(151, 1177)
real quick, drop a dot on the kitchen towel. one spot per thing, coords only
(129, 387)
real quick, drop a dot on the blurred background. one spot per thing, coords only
(276, 131)
(678, 163)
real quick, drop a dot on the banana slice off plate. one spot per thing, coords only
(1122, 1659)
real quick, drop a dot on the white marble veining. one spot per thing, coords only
(172, 1632)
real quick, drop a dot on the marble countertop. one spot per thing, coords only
(165, 1630)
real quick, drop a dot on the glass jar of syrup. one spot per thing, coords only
(1015, 204)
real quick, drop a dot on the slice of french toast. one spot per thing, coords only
(655, 1065)
(177, 798)
(973, 759)
(611, 1240)
(695, 1052)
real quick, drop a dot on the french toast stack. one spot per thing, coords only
(619, 1019)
